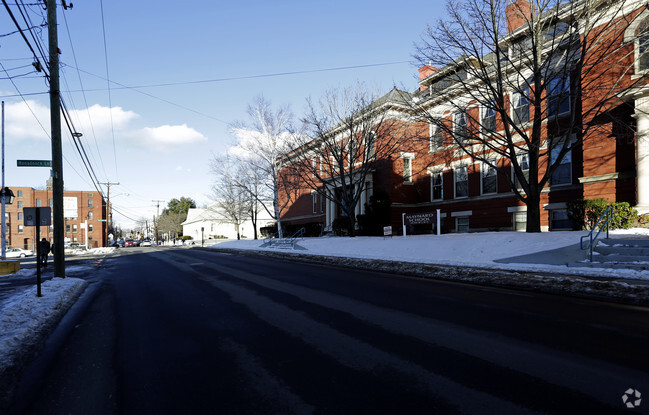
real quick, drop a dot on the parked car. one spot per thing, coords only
(130, 242)
(145, 242)
(18, 253)
(115, 244)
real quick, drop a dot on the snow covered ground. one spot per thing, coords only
(24, 317)
(493, 250)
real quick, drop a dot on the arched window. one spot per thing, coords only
(638, 34)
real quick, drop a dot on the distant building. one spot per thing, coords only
(85, 216)
(216, 226)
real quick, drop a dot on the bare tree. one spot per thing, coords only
(233, 203)
(525, 82)
(351, 132)
(262, 142)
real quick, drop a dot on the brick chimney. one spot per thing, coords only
(424, 72)
(518, 13)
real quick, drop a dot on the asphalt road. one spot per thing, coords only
(187, 331)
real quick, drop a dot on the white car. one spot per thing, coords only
(145, 243)
(18, 253)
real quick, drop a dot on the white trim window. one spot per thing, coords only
(370, 144)
(521, 106)
(435, 136)
(462, 224)
(461, 177)
(407, 167)
(459, 126)
(558, 95)
(489, 118)
(314, 200)
(436, 185)
(489, 178)
(562, 175)
(524, 162)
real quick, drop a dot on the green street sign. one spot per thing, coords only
(101, 220)
(34, 163)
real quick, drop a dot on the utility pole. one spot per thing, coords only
(155, 220)
(109, 210)
(57, 152)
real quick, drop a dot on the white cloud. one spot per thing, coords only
(27, 121)
(167, 136)
(102, 119)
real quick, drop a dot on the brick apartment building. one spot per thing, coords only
(84, 222)
(475, 192)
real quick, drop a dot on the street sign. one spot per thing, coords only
(31, 217)
(101, 220)
(34, 163)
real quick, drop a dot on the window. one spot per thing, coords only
(67, 228)
(20, 193)
(90, 228)
(90, 203)
(323, 200)
(557, 30)
(20, 228)
(436, 186)
(489, 178)
(38, 202)
(462, 224)
(459, 118)
(558, 93)
(407, 167)
(370, 145)
(521, 107)
(435, 133)
(524, 163)
(314, 197)
(563, 172)
(520, 221)
(51, 202)
(20, 205)
(642, 47)
(461, 182)
(521, 46)
(20, 216)
(559, 219)
(90, 195)
(489, 118)
(74, 228)
(90, 215)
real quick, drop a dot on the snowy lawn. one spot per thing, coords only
(465, 249)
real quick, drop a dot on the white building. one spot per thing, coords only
(215, 226)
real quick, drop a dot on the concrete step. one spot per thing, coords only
(620, 257)
(636, 242)
(622, 250)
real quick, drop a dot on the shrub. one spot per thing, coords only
(584, 213)
(340, 225)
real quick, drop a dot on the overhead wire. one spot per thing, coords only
(110, 102)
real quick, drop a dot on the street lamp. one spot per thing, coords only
(6, 198)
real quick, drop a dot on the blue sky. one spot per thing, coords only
(190, 70)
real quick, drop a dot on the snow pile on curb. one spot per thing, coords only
(25, 317)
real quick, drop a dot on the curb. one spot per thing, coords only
(624, 291)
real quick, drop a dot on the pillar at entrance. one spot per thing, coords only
(642, 153)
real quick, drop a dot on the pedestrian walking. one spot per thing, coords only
(44, 252)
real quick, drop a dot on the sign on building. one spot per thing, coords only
(70, 207)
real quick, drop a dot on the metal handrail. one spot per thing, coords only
(591, 240)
